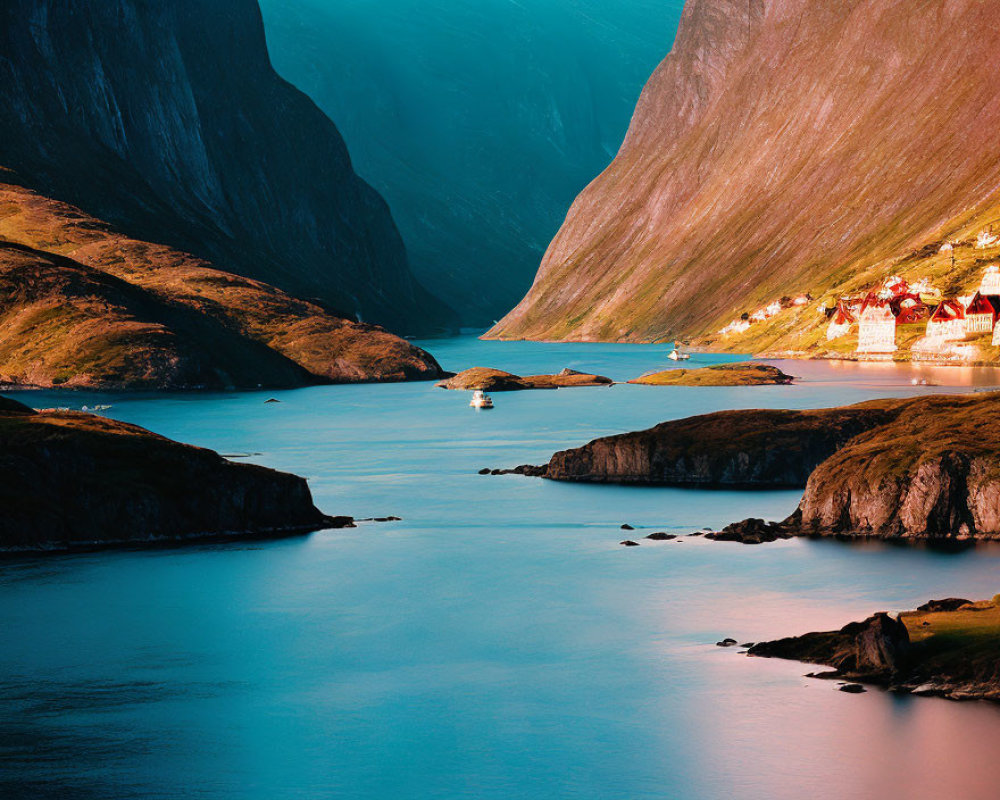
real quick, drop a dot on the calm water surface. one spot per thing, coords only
(497, 643)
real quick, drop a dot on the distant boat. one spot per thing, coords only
(481, 400)
(677, 355)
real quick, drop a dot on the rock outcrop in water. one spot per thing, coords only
(718, 375)
(495, 380)
(83, 306)
(167, 120)
(951, 651)
(873, 649)
(71, 480)
(759, 448)
(781, 145)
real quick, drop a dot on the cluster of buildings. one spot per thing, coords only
(878, 314)
(764, 313)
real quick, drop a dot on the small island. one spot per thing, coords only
(495, 380)
(948, 648)
(744, 374)
(71, 481)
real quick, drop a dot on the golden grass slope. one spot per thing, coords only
(175, 320)
(781, 147)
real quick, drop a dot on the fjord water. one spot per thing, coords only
(496, 643)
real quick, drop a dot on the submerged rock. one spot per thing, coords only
(662, 537)
(629, 543)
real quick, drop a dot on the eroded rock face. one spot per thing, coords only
(71, 480)
(931, 473)
(757, 448)
(739, 178)
(137, 113)
(875, 648)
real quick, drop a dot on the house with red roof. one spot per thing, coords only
(947, 323)
(981, 313)
(840, 322)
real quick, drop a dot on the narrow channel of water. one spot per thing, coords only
(496, 643)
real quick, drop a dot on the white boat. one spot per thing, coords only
(677, 355)
(481, 400)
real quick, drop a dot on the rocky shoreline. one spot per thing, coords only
(73, 481)
(925, 468)
(946, 648)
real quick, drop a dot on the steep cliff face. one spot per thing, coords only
(479, 122)
(71, 480)
(932, 473)
(759, 448)
(167, 120)
(81, 305)
(783, 145)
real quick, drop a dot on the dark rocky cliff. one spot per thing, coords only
(920, 468)
(782, 145)
(931, 473)
(167, 120)
(70, 480)
(761, 448)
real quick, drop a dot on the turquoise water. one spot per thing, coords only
(496, 643)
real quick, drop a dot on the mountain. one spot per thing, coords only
(83, 306)
(781, 147)
(168, 121)
(478, 120)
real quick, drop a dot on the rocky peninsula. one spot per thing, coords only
(752, 449)
(925, 468)
(949, 648)
(718, 375)
(495, 380)
(72, 481)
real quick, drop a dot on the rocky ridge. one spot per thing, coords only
(86, 306)
(137, 113)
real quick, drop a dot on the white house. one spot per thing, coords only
(990, 284)
(877, 329)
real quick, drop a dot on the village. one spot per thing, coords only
(881, 317)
